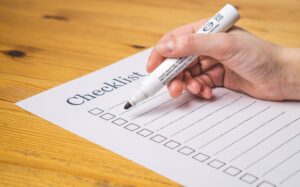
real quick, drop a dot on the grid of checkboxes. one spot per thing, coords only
(185, 150)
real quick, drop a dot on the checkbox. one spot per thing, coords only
(107, 116)
(266, 184)
(186, 150)
(145, 132)
(172, 144)
(201, 157)
(95, 111)
(217, 164)
(158, 138)
(132, 127)
(119, 121)
(249, 178)
(233, 171)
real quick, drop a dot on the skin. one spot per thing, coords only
(237, 60)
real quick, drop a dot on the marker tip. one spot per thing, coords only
(127, 105)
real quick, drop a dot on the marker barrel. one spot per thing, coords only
(171, 67)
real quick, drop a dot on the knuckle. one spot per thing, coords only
(167, 36)
(183, 44)
(188, 41)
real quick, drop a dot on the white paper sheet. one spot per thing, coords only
(233, 140)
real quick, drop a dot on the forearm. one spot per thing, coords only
(290, 77)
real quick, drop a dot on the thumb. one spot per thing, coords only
(216, 45)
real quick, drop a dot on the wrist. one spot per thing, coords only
(289, 60)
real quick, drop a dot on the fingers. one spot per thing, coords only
(199, 88)
(199, 79)
(214, 76)
(200, 65)
(216, 45)
(192, 84)
(155, 58)
(202, 84)
(176, 86)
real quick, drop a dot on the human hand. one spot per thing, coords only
(237, 60)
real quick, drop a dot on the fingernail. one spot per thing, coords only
(165, 46)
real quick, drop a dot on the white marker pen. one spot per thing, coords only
(171, 67)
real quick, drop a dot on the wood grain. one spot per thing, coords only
(48, 42)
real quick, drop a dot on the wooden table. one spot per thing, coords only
(48, 42)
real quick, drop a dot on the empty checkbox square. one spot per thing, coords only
(119, 121)
(201, 157)
(107, 116)
(233, 171)
(95, 111)
(158, 138)
(249, 178)
(145, 132)
(186, 150)
(132, 127)
(266, 184)
(172, 144)
(217, 164)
